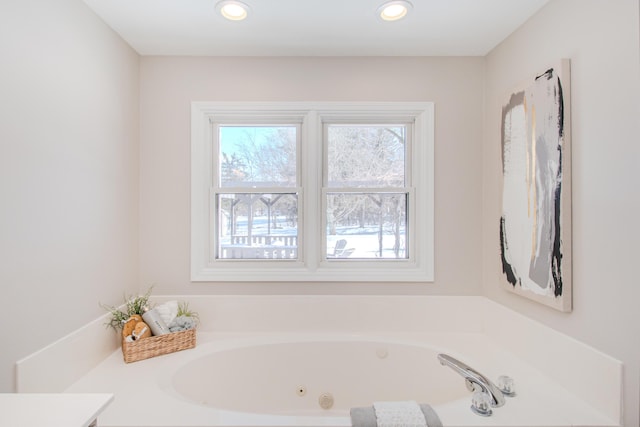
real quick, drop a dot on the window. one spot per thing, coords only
(256, 187)
(365, 190)
(312, 192)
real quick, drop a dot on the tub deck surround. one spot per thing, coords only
(73, 356)
(147, 396)
(559, 381)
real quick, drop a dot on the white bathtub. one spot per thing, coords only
(319, 378)
(267, 379)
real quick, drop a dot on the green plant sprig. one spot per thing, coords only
(184, 310)
(133, 305)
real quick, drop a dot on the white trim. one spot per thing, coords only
(311, 267)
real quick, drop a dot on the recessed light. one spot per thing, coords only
(394, 10)
(233, 10)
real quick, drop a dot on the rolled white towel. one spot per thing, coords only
(399, 414)
(168, 311)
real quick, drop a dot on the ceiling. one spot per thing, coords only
(315, 27)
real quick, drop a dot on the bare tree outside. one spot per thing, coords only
(366, 177)
(258, 156)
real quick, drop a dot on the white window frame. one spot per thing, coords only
(312, 264)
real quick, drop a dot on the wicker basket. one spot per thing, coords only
(158, 345)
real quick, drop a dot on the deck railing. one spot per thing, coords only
(260, 247)
(265, 240)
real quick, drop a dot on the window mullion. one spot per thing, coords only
(311, 176)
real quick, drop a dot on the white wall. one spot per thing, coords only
(169, 84)
(68, 173)
(601, 39)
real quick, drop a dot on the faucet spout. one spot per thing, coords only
(475, 380)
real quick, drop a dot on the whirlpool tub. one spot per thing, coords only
(320, 378)
(306, 380)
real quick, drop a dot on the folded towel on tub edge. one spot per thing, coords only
(366, 416)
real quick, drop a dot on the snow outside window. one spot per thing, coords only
(312, 192)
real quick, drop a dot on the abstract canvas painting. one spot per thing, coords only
(535, 225)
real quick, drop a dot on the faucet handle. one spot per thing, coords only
(506, 385)
(481, 403)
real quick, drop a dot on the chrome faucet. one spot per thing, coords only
(474, 380)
